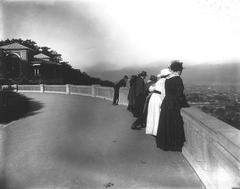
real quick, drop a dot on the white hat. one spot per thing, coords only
(164, 72)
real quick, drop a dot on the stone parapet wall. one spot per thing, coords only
(212, 147)
(104, 92)
(81, 90)
(27, 88)
(55, 88)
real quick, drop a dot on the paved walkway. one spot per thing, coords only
(78, 142)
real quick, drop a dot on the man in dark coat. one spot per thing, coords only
(140, 92)
(121, 83)
(131, 94)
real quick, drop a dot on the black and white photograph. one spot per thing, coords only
(119, 94)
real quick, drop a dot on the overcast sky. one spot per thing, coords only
(113, 34)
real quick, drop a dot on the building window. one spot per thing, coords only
(36, 72)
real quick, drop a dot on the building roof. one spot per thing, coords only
(41, 56)
(14, 46)
(40, 62)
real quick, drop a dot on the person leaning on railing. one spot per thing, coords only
(155, 101)
(150, 82)
(140, 95)
(131, 94)
(121, 83)
(170, 134)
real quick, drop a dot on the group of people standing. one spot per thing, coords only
(156, 105)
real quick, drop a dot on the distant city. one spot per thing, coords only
(220, 101)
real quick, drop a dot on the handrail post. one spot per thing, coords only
(41, 88)
(68, 89)
(93, 90)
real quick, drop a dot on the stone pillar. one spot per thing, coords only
(94, 91)
(41, 88)
(68, 90)
(15, 87)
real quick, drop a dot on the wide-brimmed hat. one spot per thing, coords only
(164, 72)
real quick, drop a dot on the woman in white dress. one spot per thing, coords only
(158, 94)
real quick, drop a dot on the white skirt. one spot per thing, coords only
(154, 108)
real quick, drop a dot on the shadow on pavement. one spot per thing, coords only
(3, 182)
(14, 106)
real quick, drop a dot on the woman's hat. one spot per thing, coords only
(176, 66)
(164, 72)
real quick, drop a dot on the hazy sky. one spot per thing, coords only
(114, 34)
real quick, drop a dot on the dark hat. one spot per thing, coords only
(176, 66)
(143, 73)
(153, 78)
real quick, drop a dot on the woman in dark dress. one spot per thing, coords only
(170, 135)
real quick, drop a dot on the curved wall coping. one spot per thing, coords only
(226, 135)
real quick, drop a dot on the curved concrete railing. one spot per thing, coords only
(212, 147)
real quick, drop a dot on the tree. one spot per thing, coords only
(45, 50)
(66, 64)
(55, 57)
(31, 44)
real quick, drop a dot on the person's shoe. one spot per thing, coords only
(143, 125)
(135, 126)
(135, 115)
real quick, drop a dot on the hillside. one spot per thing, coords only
(209, 74)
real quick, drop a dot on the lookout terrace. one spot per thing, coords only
(78, 140)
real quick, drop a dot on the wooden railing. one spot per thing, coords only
(212, 147)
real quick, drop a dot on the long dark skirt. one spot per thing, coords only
(138, 108)
(131, 100)
(170, 135)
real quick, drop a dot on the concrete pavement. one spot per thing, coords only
(83, 142)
